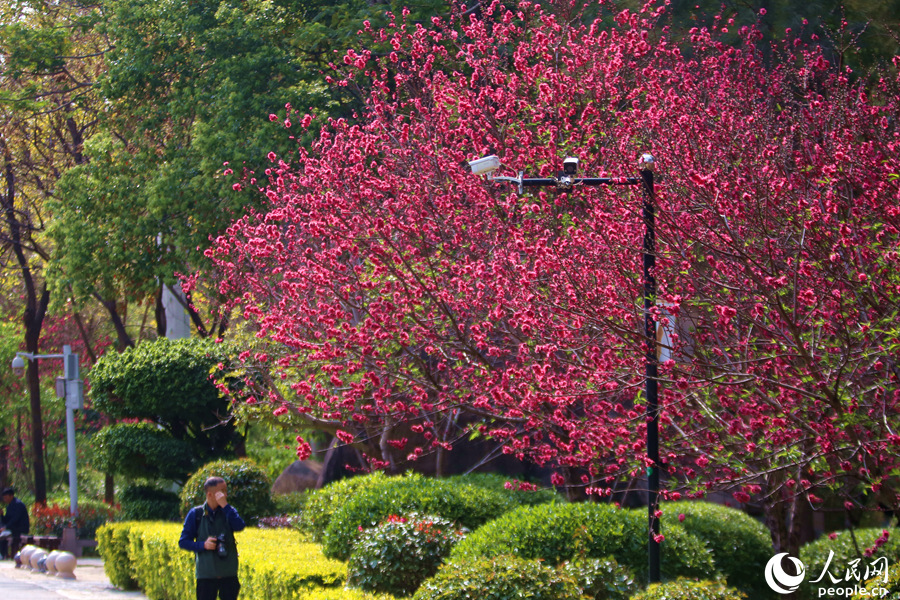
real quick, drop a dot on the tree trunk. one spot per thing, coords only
(109, 489)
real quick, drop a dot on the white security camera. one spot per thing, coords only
(485, 166)
(570, 165)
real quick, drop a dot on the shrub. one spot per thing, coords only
(740, 544)
(601, 578)
(323, 503)
(51, 520)
(468, 505)
(340, 594)
(148, 503)
(273, 563)
(886, 589)
(499, 483)
(558, 532)
(399, 554)
(248, 488)
(815, 556)
(683, 589)
(112, 544)
(499, 578)
(142, 450)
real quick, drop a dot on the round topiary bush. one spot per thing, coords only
(601, 578)
(399, 554)
(499, 578)
(248, 487)
(321, 504)
(558, 532)
(506, 486)
(865, 545)
(684, 589)
(468, 505)
(740, 544)
(148, 503)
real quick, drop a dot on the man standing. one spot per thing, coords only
(209, 532)
(15, 521)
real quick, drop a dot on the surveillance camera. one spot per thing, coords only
(485, 166)
(18, 366)
(570, 165)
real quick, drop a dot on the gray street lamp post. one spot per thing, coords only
(566, 181)
(70, 387)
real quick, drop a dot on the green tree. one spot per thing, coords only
(167, 383)
(48, 61)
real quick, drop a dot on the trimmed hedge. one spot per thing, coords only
(273, 563)
(690, 590)
(815, 556)
(500, 578)
(740, 544)
(497, 482)
(558, 532)
(322, 504)
(248, 488)
(148, 503)
(340, 594)
(468, 505)
(112, 544)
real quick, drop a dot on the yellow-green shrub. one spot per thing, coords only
(112, 544)
(342, 594)
(273, 563)
(163, 570)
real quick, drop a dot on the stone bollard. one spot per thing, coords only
(65, 565)
(24, 555)
(51, 562)
(33, 559)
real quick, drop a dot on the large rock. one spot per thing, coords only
(298, 476)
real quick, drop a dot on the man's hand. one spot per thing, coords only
(221, 499)
(210, 543)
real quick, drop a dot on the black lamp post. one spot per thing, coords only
(565, 181)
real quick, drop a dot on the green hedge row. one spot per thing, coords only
(273, 563)
(559, 532)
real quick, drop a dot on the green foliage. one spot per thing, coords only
(290, 504)
(601, 578)
(248, 488)
(148, 503)
(498, 482)
(499, 578)
(684, 589)
(892, 585)
(740, 544)
(847, 546)
(142, 450)
(468, 505)
(399, 554)
(558, 532)
(167, 382)
(322, 504)
(112, 544)
(137, 553)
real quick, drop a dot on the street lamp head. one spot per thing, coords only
(647, 162)
(485, 166)
(18, 366)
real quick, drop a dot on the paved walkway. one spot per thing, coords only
(90, 583)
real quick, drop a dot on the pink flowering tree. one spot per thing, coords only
(396, 297)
